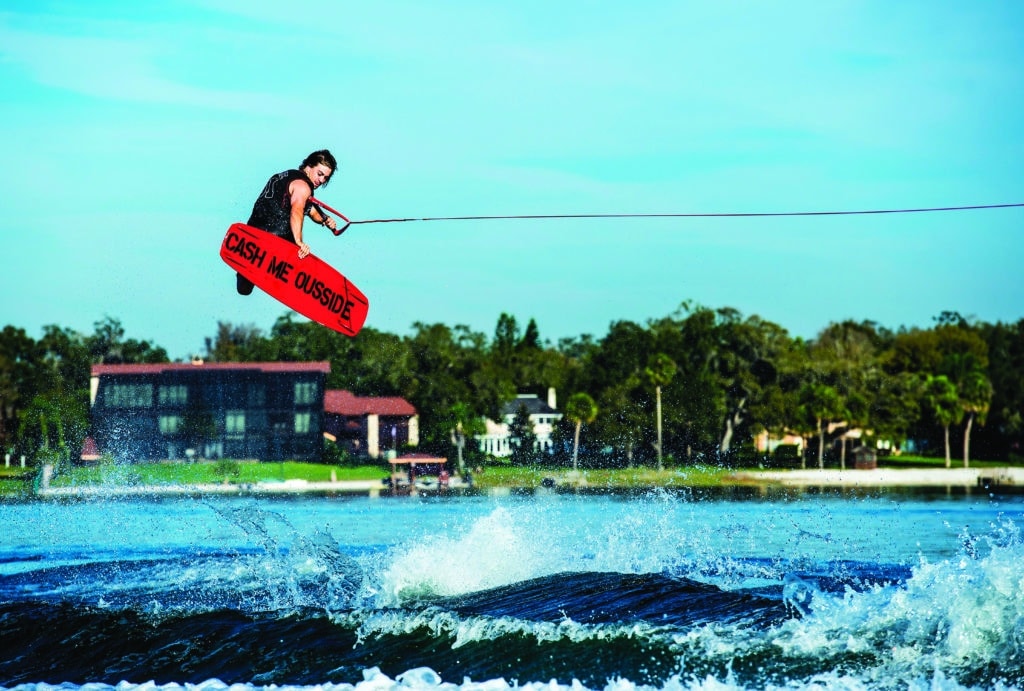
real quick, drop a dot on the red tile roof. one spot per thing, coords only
(341, 402)
(159, 368)
(418, 459)
(90, 452)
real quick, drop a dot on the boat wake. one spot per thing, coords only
(298, 609)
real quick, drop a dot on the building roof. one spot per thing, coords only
(417, 459)
(90, 452)
(160, 368)
(341, 402)
(534, 406)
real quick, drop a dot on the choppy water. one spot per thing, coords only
(660, 591)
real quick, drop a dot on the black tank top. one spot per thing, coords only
(273, 208)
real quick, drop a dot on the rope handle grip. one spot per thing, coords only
(336, 231)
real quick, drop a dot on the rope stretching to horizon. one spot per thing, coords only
(861, 212)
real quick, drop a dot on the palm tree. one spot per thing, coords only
(975, 399)
(579, 408)
(974, 391)
(660, 370)
(944, 402)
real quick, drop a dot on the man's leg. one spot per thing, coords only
(243, 285)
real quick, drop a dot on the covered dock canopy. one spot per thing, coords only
(411, 465)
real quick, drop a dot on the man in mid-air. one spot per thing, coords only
(285, 202)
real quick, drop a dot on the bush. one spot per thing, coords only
(228, 469)
(51, 457)
(745, 456)
(786, 456)
(335, 455)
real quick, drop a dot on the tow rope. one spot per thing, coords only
(860, 212)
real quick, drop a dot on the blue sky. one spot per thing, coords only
(135, 133)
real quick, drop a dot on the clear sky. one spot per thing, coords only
(135, 133)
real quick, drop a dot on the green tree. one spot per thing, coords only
(659, 372)
(895, 406)
(694, 402)
(239, 343)
(944, 403)
(579, 409)
(845, 356)
(975, 396)
(53, 427)
(613, 369)
(108, 345)
(623, 426)
(21, 379)
(522, 438)
(744, 362)
(438, 379)
(64, 355)
(1003, 434)
(823, 404)
(197, 426)
(464, 423)
(506, 338)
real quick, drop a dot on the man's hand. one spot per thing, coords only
(330, 222)
(303, 250)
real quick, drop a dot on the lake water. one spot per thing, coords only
(540, 591)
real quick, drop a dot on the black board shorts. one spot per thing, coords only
(242, 284)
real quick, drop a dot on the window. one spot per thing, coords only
(234, 424)
(302, 423)
(172, 394)
(130, 396)
(169, 424)
(279, 423)
(305, 392)
(257, 395)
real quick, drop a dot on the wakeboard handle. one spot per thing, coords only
(336, 213)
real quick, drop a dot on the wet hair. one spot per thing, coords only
(322, 156)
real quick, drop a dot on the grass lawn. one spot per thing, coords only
(213, 472)
(620, 478)
(492, 476)
(15, 482)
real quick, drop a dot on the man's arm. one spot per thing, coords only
(300, 194)
(320, 217)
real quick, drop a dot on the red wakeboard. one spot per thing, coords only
(310, 286)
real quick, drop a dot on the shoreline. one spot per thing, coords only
(1006, 476)
(1000, 477)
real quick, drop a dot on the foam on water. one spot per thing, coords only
(965, 613)
(463, 630)
(513, 544)
(426, 679)
(493, 551)
(962, 617)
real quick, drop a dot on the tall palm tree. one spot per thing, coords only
(659, 371)
(975, 400)
(942, 398)
(579, 408)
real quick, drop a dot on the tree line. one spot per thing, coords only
(695, 386)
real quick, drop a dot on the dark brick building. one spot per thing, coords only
(267, 411)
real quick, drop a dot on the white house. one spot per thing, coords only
(543, 415)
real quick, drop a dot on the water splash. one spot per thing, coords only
(302, 570)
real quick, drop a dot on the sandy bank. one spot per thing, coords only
(887, 477)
